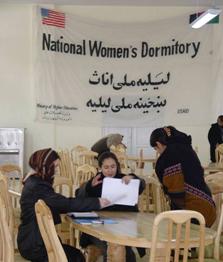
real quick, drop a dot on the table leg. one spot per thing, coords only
(115, 253)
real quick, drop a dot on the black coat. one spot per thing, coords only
(30, 243)
(182, 176)
(86, 190)
(214, 138)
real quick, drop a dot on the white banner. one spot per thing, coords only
(121, 74)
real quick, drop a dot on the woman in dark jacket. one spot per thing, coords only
(215, 137)
(109, 167)
(179, 170)
(38, 185)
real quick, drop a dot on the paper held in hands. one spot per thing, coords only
(120, 193)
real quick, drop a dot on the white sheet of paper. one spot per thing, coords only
(120, 193)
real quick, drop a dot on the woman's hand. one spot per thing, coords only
(126, 179)
(104, 202)
(96, 180)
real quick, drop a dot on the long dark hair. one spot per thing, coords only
(107, 155)
(169, 135)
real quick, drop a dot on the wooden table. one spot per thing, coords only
(132, 229)
(213, 168)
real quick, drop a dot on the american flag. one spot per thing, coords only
(53, 18)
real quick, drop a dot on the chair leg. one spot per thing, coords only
(92, 253)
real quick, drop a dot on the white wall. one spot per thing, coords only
(17, 94)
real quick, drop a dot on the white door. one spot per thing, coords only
(135, 138)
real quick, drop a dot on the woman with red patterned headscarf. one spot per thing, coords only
(38, 185)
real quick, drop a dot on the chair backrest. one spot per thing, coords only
(75, 153)
(63, 185)
(66, 167)
(14, 175)
(15, 199)
(219, 154)
(84, 173)
(52, 243)
(215, 182)
(87, 157)
(6, 246)
(140, 163)
(9, 168)
(121, 154)
(153, 199)
(7, 202)
(175, 228)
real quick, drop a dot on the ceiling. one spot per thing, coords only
(208, 3)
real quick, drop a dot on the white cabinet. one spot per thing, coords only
(12, 146)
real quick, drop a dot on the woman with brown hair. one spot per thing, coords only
(38, 185)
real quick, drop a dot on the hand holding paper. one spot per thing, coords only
(120, 193)
(104, 202)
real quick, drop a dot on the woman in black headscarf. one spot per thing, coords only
(38, 185)
(179, 170)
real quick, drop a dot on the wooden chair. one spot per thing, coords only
(52, 243)
(196, 149)
(75, 153)
(66, 167)
(13, 211)
(176, 225)
(8, 168)
(87, 157)
(92, 253)
(7, 253)
(216, 253)
(215, 183)
(84, 173)
(140, 164)
(64, 186)
(153, 199)
(120, 152)
(219, 154)
(212, 252)
(14, 175)
(65, 229)
(8, 204)
(15, 198)
(82, 155)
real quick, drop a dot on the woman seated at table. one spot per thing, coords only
(38, 185)
(109, 167)
(179, 170)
